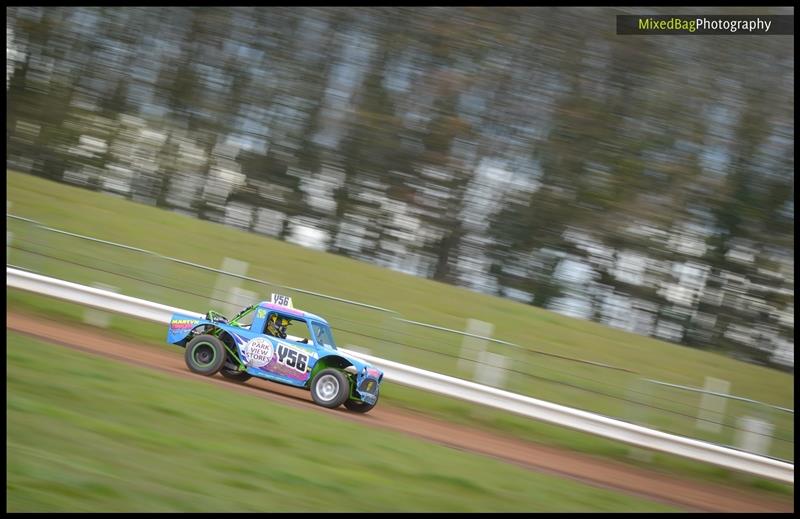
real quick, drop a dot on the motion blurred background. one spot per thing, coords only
(644, 182)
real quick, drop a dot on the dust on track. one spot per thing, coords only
(691, 495)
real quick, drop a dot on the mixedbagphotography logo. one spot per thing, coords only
(706, 24)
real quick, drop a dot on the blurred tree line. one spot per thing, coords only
(641, 181)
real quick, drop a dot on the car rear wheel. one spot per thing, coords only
(330, 388)
(205, 354)
(359, 407)
(235, 375)
(230, 369)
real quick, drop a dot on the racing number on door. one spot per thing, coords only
(292, 358)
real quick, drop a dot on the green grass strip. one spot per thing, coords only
(86, 434)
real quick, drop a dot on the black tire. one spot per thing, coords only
(330, 388)
(230, 370)
(359, 407)
(237, 376)
(205, 354)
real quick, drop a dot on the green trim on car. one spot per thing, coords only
(235, 357)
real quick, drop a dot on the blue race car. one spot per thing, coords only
(255, 343)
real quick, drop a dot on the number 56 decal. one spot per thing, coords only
(296, 360)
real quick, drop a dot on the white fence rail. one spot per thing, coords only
(446, 385)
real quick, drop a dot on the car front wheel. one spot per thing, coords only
(330, 388)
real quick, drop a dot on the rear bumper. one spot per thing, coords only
(180, 325)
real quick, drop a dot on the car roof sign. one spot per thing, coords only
(281, 300)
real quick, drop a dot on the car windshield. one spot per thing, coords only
(323, 334)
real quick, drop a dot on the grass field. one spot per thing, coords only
(611, 392)
(87, 434)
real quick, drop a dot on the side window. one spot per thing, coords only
(295, 329)
(322, 334)
(298, 331)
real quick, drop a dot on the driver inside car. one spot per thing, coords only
(277, 326)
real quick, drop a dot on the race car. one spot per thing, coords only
(256, 343)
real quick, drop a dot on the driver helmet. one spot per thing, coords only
(277, 326)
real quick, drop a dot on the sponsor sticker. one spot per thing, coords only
(259, 352)
(183, 324)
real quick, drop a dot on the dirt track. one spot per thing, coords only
(688, 494)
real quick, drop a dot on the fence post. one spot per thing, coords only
(224, 288)
(640, 394)
(95, 317)
(240, 298)
(491, 369)
(753, 435)
(711, 413)
(473, 347)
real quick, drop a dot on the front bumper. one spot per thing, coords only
(368, 390)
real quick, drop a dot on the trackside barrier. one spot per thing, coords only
(395, 315)
(446, 385)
